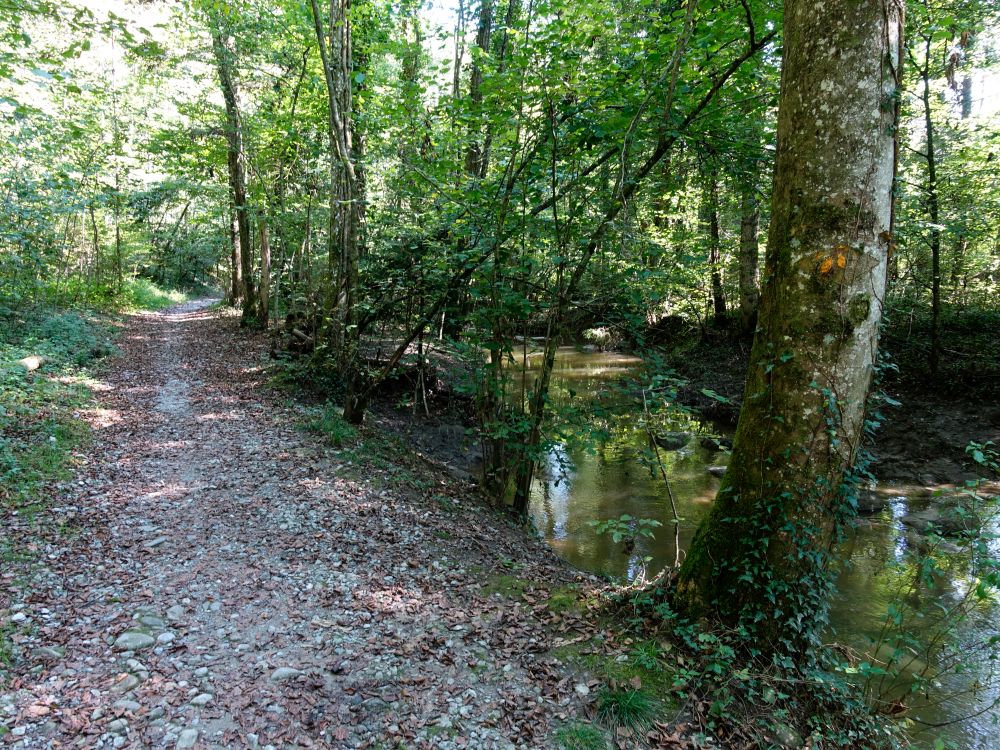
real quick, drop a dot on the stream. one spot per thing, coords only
(596, 471)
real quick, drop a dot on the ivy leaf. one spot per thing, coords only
(715, 396)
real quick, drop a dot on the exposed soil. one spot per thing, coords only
(921, 441)
(217, 577)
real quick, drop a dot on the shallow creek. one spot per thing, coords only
(597, 473)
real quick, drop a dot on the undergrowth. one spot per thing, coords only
(45, 356)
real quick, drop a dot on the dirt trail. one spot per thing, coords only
(214, 578)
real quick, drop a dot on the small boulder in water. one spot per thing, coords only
(713, 443)
(672, 441)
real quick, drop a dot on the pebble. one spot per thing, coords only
(281, 674)
(133, 640)
(118, 726)
(163, 638)
(129, 683)
(127, 705)
(175, 613)
(187, 739)
(582, 690)
(202, 699)
(18, 617)
(49, 652)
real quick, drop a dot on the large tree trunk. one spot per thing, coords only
(761, 559)
(237, 170)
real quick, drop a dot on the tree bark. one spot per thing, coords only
(749, 252)
(709, 219)
(761, 559)
(933, 213)
(265, 273)
(236, 270)
(237, 170)
(474, 155)
(336, 54)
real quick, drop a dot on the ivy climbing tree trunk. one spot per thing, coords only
(337, 55)
(761, 559)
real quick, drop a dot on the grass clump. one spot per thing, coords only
(331, 424)
(563, 599)
(509, 587)
(625, 706)
(580, 736)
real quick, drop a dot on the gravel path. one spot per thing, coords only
(215, 577)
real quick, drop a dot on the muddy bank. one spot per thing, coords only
(921, 441)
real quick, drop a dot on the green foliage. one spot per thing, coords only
(626, 529)
(625, 706)
(38, 431)
(330, 423)
(579, 736)
(143, 294)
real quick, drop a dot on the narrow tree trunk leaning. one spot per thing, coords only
(237, 170)
(749, 252)
(761, 559)
(625, 188)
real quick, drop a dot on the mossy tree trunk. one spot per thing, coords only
(761, 559)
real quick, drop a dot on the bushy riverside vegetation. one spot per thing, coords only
(420, 203)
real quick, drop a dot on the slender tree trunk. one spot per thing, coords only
(96, 241)
(474, 155)
(265, 273)
(761, 559)
(933, 214)
(337, 58)
(709, 218)
(235, 262)
(237, 171)
(749, 252)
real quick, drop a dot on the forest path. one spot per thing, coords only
(219, 579)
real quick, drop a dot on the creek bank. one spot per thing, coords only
(920, 442)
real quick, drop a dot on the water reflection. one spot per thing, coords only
(583, 480)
